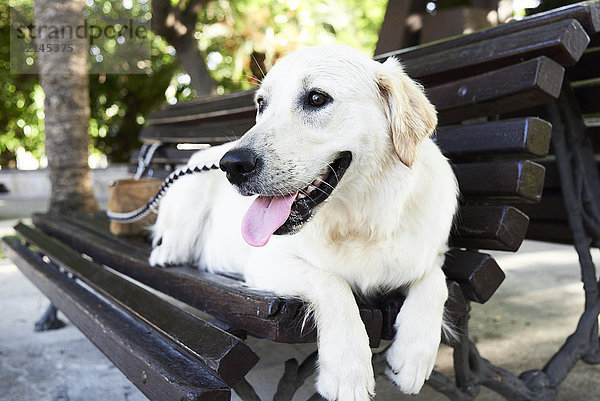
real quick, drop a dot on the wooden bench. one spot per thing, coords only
(488, 106)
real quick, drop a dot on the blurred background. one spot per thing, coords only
(216, 47)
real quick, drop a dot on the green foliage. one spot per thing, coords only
(238, 38)
(21, 105)
(120, 104)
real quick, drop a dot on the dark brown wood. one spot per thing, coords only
(159, 370)
(261, 313)
(552, 179)
(165, 155)
(213, 131)
(205, 108)
(521, 136)
(519, 180)
(456, 306)
(528, 136)
(373, 319)
(496, 181)
(477, 273)
(508, 89)
(500, 228)
(562, 41)
(586, 13)
(550, 231)
(227, 355)
(99, 226)
(391, 303)
(551, 208)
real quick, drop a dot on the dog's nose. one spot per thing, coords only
(238, 164)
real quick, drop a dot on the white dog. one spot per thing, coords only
(358, 195)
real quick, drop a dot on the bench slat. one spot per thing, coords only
(159, 370)
(501, 228)
(227, 355)
(478, 274)
(552, 178)
(236, 101)
(391, 304)
(227, 299)
(209, 131)
(588, 15)
(562, 41)
(550, 231)
(528, 136)
(479, 270)
(507, 180)
(551, 207)
(261, 313)
(502, 91)
(497, 181)
(518, 86)
(469, 265)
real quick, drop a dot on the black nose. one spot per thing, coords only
(238, 164)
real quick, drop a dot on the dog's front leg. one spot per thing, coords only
(345, 370)
(418, 332)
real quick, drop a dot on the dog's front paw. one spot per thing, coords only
(347, 376)
(160, 256)
(168, 251)
(411, 363)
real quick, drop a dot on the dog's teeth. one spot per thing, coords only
(300, 195)
(317, 182)
(310, 188)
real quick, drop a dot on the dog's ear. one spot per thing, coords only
(410, 114)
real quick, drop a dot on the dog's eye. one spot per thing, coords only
(317, 99)
(260, 103)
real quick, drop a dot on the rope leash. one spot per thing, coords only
(138, 214)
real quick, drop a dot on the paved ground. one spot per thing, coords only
(523, 324)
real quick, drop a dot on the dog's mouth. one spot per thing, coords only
(281, 215)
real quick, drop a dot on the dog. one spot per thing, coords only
(338, 187)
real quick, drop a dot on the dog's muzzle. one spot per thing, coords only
(239, 165)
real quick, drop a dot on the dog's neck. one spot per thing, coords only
(377, 191)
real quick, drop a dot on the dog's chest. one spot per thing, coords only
(366, 265)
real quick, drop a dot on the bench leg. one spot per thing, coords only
(49, 320)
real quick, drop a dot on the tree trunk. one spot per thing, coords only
(64, 79)
(177, 26)
(192, 61)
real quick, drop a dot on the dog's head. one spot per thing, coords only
(323, 113)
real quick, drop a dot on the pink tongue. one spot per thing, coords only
(264, 217)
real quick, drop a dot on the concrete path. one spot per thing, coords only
(519, 328)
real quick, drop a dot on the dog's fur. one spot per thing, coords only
(385, 226)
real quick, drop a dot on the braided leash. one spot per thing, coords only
(138, 214)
